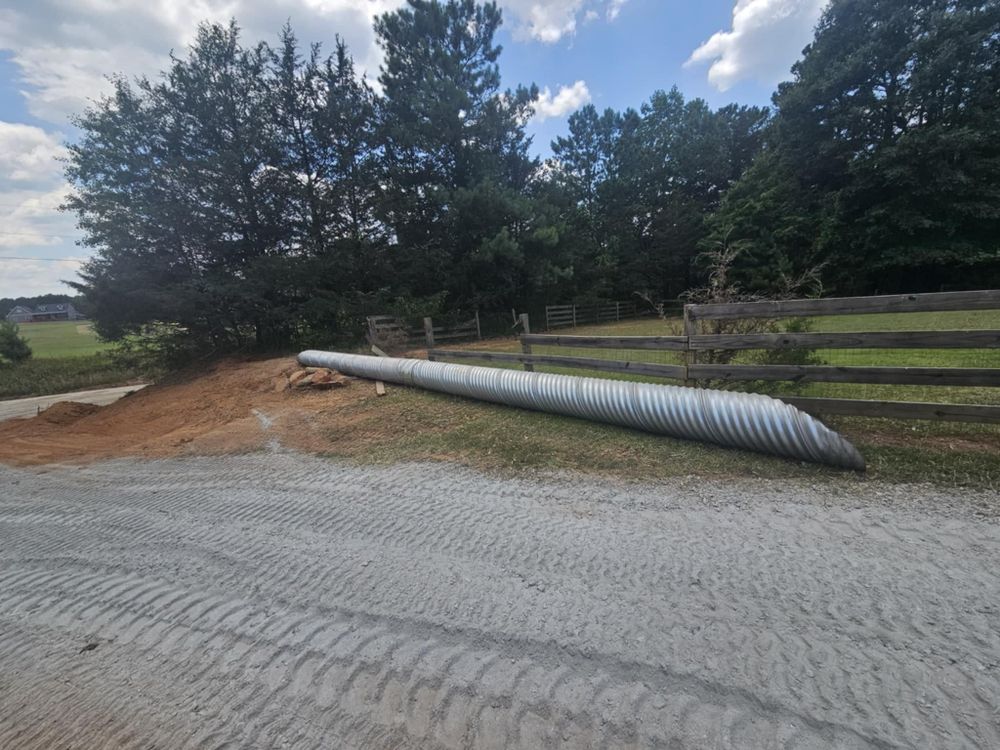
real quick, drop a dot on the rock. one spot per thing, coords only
(317, 377)
(322, 376)
(296, 377)
(280, 384)
(329, 379)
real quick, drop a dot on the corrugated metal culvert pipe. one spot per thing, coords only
(739, 420)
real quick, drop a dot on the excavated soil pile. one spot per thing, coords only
(66, 412)
(231, 406)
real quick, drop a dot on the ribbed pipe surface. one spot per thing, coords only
(739, 420)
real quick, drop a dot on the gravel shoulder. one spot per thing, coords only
(278, 599)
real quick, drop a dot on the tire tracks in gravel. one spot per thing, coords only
(282, 599)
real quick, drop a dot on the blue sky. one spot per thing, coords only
(624, 62)
(614, 53)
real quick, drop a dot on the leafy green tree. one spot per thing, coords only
(13, 346)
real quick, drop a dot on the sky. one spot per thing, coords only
(55, 56)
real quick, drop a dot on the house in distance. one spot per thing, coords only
(44, 313)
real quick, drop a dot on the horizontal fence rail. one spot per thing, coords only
(678, 343)
(986, 414)
(584, 363)
(981, 376)
(894, 303)
(693, 343)
(875, 340)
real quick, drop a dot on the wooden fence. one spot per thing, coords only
(693, 342)
(387, 329)
(559, 316)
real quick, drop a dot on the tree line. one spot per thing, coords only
(268, 195)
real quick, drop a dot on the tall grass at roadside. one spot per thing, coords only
(41, 377)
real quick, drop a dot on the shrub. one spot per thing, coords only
(13, 346)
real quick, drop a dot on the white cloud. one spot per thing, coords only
(28, 154)
(31, 189)
(65, 64)
(614, 8)
(567, 99)
(31, 218)
(546, 20)
(766, 37)
(32, 227)
(549, 21)
(28, 278)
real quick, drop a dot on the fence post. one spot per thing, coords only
(618, 310)
(525, 346)
(479, 331)
(574, 315)
(429, 336)
(690, 329)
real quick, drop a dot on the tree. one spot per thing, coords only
(326, 117)
(884, 159)
(583, 167)
(231, 201)
(257, 195)
(456, 153)
(660, 171)
(13, 346)
(641, 185)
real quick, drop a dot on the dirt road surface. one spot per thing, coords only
(275, 600)
(29, 407)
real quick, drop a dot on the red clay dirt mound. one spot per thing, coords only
(229, 407)
(66, 412)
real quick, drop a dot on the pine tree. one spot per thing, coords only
(884, 162)
(456, 153)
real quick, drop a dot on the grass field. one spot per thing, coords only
(858, 357)
(62, 339)
(66, 356)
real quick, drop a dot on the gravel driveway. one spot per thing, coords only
(279, 600)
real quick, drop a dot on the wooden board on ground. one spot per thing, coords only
(379, 385)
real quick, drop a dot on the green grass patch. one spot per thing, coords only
(410, 424)
(897, 450)
(60, 339)
(43, 376)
